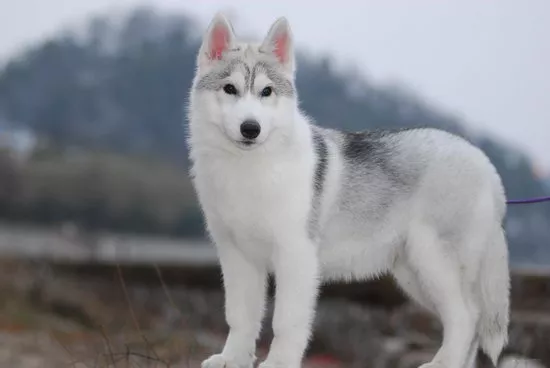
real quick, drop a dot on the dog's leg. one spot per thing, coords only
(245, 288)
(439, 277)
(409, 282)
(297, 281)
(472, 357)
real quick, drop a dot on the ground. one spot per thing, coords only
(59, 318)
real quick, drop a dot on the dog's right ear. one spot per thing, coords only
(279, 42)
(219, 37)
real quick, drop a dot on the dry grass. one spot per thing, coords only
(54, 320)
(37, 330)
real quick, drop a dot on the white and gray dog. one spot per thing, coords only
(282, 195)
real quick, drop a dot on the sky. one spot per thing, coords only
(485, 61)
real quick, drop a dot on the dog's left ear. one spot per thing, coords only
(279, 42)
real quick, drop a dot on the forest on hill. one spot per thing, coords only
(107, 103)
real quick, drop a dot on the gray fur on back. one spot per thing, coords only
(376, 172)
(381, 175)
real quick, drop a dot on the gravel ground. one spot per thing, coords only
(54, 320)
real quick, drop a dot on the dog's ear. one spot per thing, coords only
(219, 37)
(279, 42)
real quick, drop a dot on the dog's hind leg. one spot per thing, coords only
(472, 355)
(438, 274)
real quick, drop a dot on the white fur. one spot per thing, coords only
(442, 239)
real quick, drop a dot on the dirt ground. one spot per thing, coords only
(50, 319)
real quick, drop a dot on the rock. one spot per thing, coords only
(414, 359)
(519, 362)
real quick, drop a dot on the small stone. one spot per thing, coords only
(519, 362)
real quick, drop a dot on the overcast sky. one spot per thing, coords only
(487, 61)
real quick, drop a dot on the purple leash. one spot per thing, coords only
(528, 200)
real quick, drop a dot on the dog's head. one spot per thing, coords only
(246, 91)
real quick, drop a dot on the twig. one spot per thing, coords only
(108, 342)
(133, 316)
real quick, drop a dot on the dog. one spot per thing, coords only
(283, 196)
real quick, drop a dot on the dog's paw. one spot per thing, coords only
(216, 361)
(220, 361)
(268, 364)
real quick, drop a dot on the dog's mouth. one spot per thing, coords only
(247, 143)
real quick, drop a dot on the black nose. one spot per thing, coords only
(250, 129)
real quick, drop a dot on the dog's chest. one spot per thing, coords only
(253, 202)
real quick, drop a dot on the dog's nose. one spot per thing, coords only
(250, 129)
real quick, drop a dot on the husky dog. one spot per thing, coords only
(282, 195)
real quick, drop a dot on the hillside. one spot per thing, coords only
(122, 87)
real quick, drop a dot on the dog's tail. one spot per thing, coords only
(495, 291)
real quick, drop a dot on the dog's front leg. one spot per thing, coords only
(297, 281)
(245, 286)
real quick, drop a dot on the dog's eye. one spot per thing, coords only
(267, 91)
(230, 89)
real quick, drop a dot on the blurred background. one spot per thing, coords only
(103, 257)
